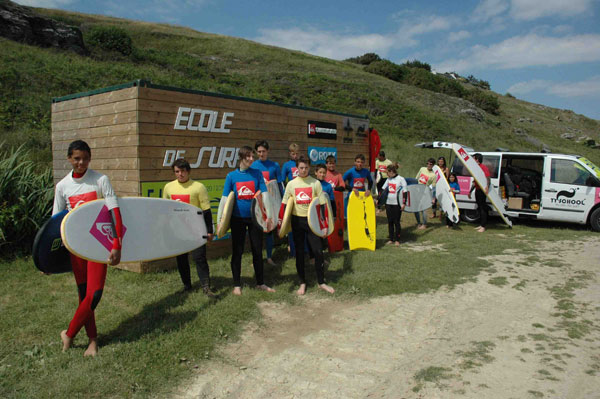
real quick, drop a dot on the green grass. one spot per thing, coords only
(499, 281)
(147, 325)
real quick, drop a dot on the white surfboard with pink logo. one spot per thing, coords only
(153, 228)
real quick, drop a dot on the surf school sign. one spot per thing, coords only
(319, 154)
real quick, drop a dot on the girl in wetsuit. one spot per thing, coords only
(79, 186)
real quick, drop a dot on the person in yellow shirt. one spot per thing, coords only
(192, 192)
(303, 189)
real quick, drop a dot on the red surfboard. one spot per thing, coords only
(336, 240)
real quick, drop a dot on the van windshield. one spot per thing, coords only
(590, 165)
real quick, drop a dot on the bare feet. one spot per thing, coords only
(65, 340)
(389, 242)
(92, 349)
(422, 227)
(327, 288)
(270, 262)
(237, 291)
(481, 229)
(397, 243)
(301, 290)
(265, 288)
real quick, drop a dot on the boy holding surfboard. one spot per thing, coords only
(358, 178)
(289, 171)
(303, 189)
(425, 176)
(246, 183)
(334, 177)
(481, 195)
(80, 186)
(270, 171)
(191, 192)
(395, 202)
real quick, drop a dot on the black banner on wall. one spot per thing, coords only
(322, 130)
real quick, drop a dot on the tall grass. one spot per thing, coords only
(26, 193)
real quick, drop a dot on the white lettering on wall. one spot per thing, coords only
(202, 120)
(217, 158)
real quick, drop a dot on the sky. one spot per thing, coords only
(542, 51)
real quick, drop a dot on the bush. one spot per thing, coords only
(418, 64)
(486, 101)
(365, 59)
(388, 69)
(25, 199)
(110, 38)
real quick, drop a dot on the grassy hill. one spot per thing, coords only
(170, 55)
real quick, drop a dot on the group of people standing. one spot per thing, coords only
(247, 182)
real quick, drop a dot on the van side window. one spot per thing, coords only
(492, 162)
(566, 171)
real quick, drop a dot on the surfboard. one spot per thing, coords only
(320, 216)
(336, 239)
(274, 203)
(286, 220)
(418, 198)
(479, 177)
(361, 222)
(223, 227)
(444, 195)
(49, 254)
(154, 228)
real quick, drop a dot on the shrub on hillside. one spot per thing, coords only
(110, 38)
(25, 199)
(365, 59)
(418, 64)
(486, 101)
(388, 69)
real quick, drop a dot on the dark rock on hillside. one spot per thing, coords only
(24, 25)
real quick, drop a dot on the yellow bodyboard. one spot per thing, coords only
(286, 222)
(361, 222)
(223, 227)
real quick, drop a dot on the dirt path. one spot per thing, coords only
(529, 328)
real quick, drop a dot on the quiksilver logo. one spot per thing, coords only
(358, 184)
(244, 191)
(302, 196)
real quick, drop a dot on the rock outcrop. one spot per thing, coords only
(23, 24)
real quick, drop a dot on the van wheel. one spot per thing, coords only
(470, 215)
(595, 220)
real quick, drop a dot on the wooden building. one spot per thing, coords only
(136, 131)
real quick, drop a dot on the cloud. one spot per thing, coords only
(589, 88)
(338, 45)
(528, 10)
(45, 3)
(527, 51)
(326, 44)
(488, 9)
(454, 37)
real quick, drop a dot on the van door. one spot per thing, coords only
(568, 191)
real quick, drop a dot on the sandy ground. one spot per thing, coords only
(505, 335)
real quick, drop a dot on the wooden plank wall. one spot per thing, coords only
(108, 123)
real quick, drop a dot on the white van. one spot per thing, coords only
(542, 186)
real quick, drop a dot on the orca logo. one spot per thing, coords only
(565, 193)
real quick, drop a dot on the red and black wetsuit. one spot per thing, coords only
(71, 192)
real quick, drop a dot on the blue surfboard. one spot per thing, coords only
(49, 253)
